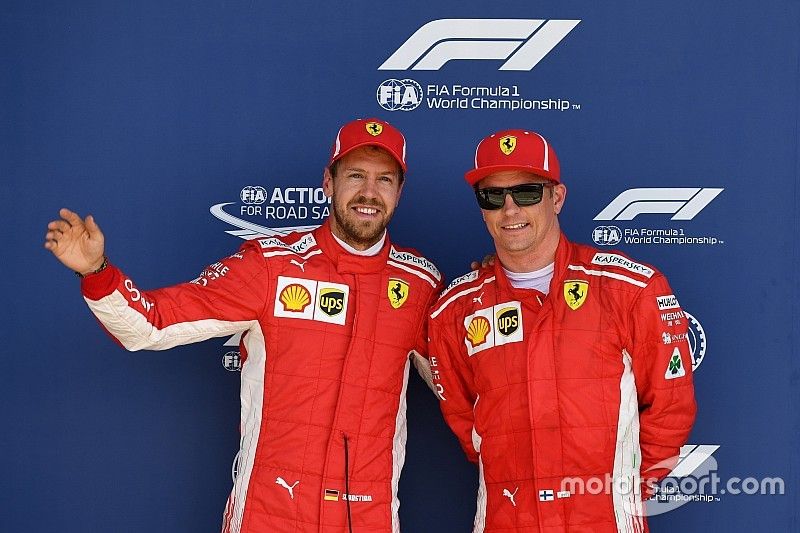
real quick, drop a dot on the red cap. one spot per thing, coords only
(369, 132)
(514, 150)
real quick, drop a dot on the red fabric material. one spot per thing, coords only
(547, 408)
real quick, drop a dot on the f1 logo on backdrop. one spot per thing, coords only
(682, 203)
(523, 43)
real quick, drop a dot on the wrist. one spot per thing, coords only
(97, 270)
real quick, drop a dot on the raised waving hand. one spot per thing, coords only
(77, 243)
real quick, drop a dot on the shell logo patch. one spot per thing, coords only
(575, 292)
(397, 290)
(374, 129)
(477, 331)
(295, 298)
(507, 144)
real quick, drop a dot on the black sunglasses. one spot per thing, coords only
(523, 195)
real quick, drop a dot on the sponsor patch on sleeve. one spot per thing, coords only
(622, 262)
(675, 367)
(415, 260)
(668, 301)
(466, 278)
(304, 244)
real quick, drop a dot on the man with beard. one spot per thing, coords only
(564, 371)
(330, 322)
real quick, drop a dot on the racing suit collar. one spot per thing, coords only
(563, 254)
(347, 263)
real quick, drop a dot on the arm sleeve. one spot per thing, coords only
(226, 298)
(452, 382)
(421, 342)
(662, 366)
(420, 352)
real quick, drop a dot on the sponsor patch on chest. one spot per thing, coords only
(493, 326)
(308, 299)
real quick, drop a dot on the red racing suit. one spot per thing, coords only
(548, 393)
(326, 346)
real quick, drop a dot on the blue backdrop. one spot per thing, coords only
(147, 114)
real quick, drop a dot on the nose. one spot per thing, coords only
(369, 187)
(509, 206)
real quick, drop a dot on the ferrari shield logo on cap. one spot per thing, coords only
(397, 290)
(575, 292)
(507, 144)
(374, 129)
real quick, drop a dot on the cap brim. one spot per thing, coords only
(391, 152)
(476, 175)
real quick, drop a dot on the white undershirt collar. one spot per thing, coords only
(372, 250)
(538, 279)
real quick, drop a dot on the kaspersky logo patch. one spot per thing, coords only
(575, 292)
(477, 330)
(675, 367)
(308, 299)
(374, 129)
(397, 291)
(493, 326)
(507, 144)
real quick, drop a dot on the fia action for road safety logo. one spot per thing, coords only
(374, 129)
(397, 290)
(507, 144)
(575, 292)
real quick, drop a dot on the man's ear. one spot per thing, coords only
(327, 182)
(559, 195)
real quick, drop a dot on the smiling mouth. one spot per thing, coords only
(369, 211)
(516, 226)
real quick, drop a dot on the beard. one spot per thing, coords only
(360, 232)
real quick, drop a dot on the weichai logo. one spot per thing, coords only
(331, 301)
(295, 298)
(477, 331)
(507, 320)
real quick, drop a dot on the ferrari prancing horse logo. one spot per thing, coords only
(575, 291)
(397, 290)
(374, 129)
(507, 144)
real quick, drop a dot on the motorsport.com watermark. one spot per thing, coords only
(693, 477)
(407, 95)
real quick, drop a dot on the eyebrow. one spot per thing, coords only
(356, 169)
